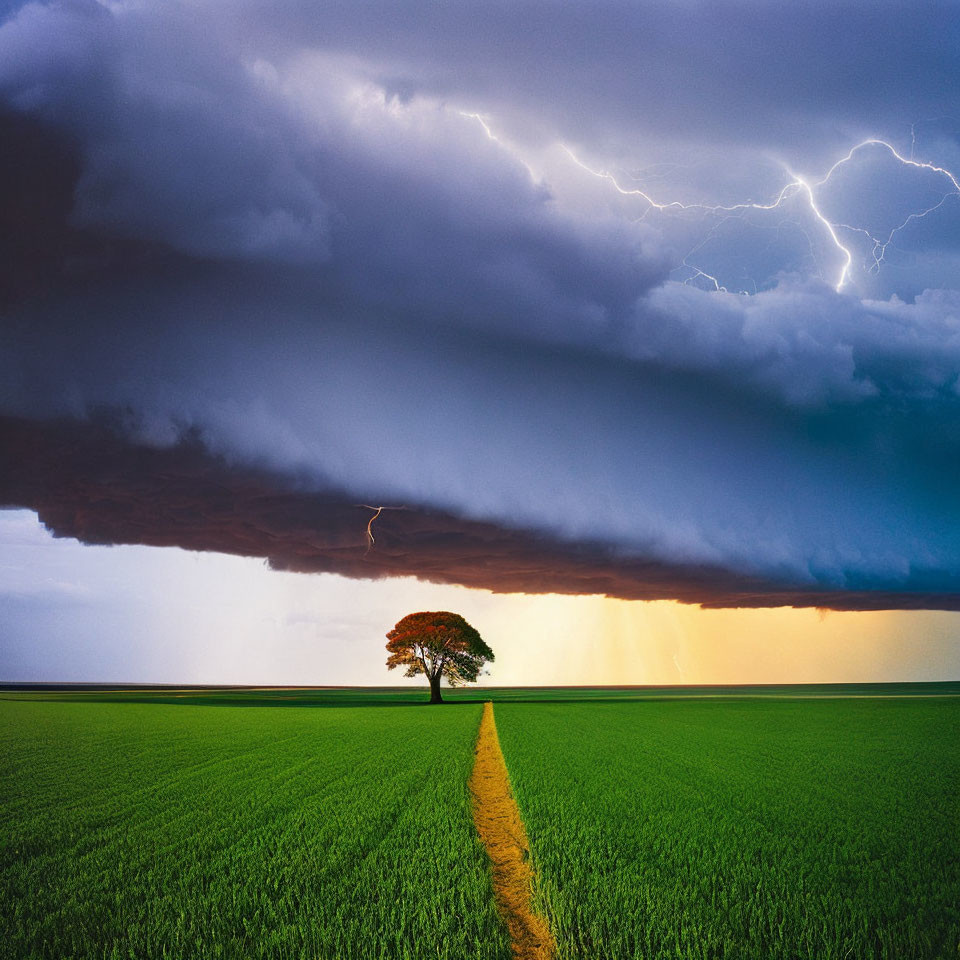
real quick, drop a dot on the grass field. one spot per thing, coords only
(745, 828)
(135, 830)
(700, 823)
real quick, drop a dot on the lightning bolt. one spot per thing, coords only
(830, 229)
(880, 245)
(370, 538)
(376, 513)
(797, 185)
(482, 120)
(676, 204)
(485, 125)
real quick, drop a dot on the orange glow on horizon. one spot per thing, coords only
(595, 640)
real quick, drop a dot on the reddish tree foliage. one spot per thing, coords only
(437, 645)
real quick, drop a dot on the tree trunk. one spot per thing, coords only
(435, 690)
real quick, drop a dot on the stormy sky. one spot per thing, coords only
(649, 301)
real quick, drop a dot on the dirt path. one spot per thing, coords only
(498, 822)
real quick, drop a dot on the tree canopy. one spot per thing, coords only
(438, 644)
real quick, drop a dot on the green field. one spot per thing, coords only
(755, 823)
(192, 832)
(822, 829)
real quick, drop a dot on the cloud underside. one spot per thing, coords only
(86, 482)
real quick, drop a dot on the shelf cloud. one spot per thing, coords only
(265, 270)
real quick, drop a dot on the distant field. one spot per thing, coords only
(407, 696)
(134, 830)
(821, 829)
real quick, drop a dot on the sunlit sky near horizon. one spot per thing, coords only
(75, 613)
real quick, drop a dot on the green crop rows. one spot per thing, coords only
(134, 830)
(242, 823)
(743, 829)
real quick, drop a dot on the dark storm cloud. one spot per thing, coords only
(807, 345)
(270, 271)
(684, 481)
(187, 144)
(753, 73)
(38, 172)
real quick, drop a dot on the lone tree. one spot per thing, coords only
(437, 645)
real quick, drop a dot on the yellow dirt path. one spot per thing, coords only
(498, 822)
